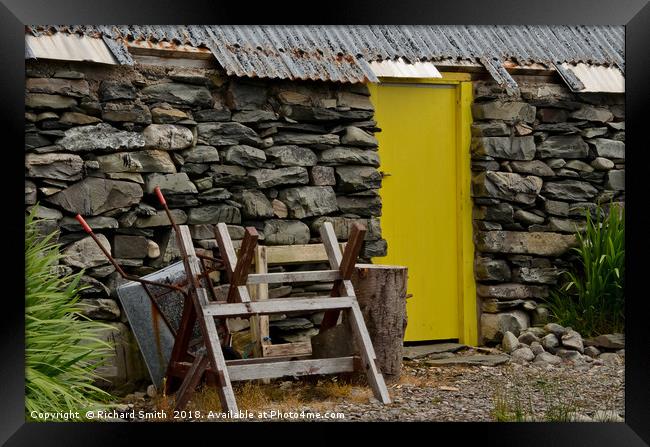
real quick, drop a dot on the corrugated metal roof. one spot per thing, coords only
(595, 78)
(342, 53)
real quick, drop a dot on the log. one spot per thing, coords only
(381, 292)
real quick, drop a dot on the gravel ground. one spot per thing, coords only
(472, 393)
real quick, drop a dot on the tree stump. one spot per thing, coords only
(381, 292)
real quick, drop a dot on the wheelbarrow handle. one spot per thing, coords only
(83, 223)
(161, 198)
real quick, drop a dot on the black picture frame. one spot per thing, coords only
(634, 14)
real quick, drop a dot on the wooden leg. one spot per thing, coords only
(191, 380)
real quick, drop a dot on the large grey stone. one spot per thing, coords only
(247, 156)
(537, 275)
(357, 178)
(254, 116)
(508, 186)
(45, 101)
(43, 212)
(322, 176)
(511, 148)
(291, 155)
(501, 110)
(526, 217)
(509, 342)
(348, 155)
(160, 219)
(307, 201)
(214, 195)
(100, 137)
(285, 232)
(354, 100)
(66, 87)
(510, 291)
(242, 95)
(85, 253)
(268, 178)
(170, 183)
(130, 247)
(168, 137)
(354, 136)
(165, 114)
(213, 214)
(134, 112)
(563, 146)
(201, 154)
(607, 341)
(140, 161)
(565, 225)
(306, 139)
(523, 354)
(572, 340)
(176, 93)
(343, 226)
(365, 206)
(54, 166)
(93, 196)
(227, 134)
(591, 113)
(488, 269)
(502, 212)
(255, 204)
(607, 148)
(100, 309)
(112, 90)
(572, 190)
(546, 358)
(534, 167)
(78, 119)
(226, 175)
(493, 326)
(521, 242)
(490, 129)
(602, 164)
(493, 305)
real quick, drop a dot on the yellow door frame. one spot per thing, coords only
(467, 302)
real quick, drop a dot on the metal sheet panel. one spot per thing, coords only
(401, 69)
(597, 78)
(70, 47)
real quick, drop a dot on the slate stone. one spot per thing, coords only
(522, 354)
(616, 180)
(354, 101)
(30, 192)
(160, 219)
(112, 90)
(170, 184)
(242, 95)
(322, 176)
(471, 360)
(291, 155)
(593, 132)
(212, 115)
(54, 166)
(227, 134)
(527, 217)
(225, 175)
(213, 214)
(607, 341)
(511, 148)
(66, 87)
(176, 93)
(592, 113)
(78, 119)
(565, 225)
(537, 275)
(255, 204)
(357, 178)
(359, 205)
(34, 140)
(354, 136)
(493, 326)
(347, 155)
(508, 186)
(552, 115)
(140, 161)
(490, 129)
(247, 156)
(96, 223)
(572, 340)
(93, 196)
(201, 154)
(100, 309)
(602, 164)
(269, 178)
(49, 102)
(547, 358)
(43, 212)
(85, 253)
(502, 110)
(510, 291)
(130, 247)
(167, 137)
(578, 165)
(488, 269)
(534, 167)
(307, 201)
(608, 148)
(561, 146)
(165, 114)
(502, 212)
(343, 226)
(306, 139)
(100, 137)
(285, 232)
(215, 195)
(572, 190)
(134, 112)
(254, 116)
(521, 242)
(373, 249)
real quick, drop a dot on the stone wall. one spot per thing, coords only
(280, 156)
(539, 162)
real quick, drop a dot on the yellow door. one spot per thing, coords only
(421, 213)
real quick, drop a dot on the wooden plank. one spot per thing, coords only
(297, 254)
(208, 327)
(346, 267)
(368, 357)
(331, 244)
(275, 278)
(291, 368)
(261, 323)
(226, 249)
(280, 305)
(287, 349)
(192, 379)
(237, 293)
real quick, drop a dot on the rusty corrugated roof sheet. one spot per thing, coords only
(343, 53)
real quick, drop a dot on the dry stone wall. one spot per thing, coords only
(283, 157)
(539, 162)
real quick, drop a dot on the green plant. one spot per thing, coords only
(591, 300)
(62, 347)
